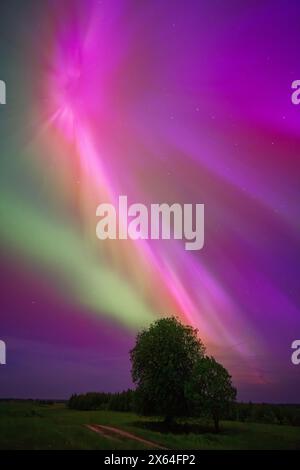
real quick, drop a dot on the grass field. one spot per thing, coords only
(25, 425)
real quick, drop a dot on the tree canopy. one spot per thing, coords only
(210, 389)
(163, 362)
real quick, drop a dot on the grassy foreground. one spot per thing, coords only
(25, 425)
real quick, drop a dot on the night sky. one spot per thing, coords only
(162, 101)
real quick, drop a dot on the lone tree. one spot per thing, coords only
(163, 361)
(210, 390)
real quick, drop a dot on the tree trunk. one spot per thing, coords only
(169, 420)
(216, 421)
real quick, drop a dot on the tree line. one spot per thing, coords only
(244, 412)
(120, 401)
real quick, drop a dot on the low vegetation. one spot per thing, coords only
(29, 425)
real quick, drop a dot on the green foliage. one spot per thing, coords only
(265, 413)
(163, 360)
(210, 390)
(122, 401)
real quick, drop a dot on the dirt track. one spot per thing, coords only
(116, 434)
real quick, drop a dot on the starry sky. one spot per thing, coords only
(163, 101)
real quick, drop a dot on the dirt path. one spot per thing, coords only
(98, 430)
(117, 434)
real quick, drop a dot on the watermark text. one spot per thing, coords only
(2, 353)
(2, 92)
(159, 221)
(296, 354)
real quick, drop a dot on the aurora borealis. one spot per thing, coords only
(163, 101)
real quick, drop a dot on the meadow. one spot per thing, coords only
(28, 425)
